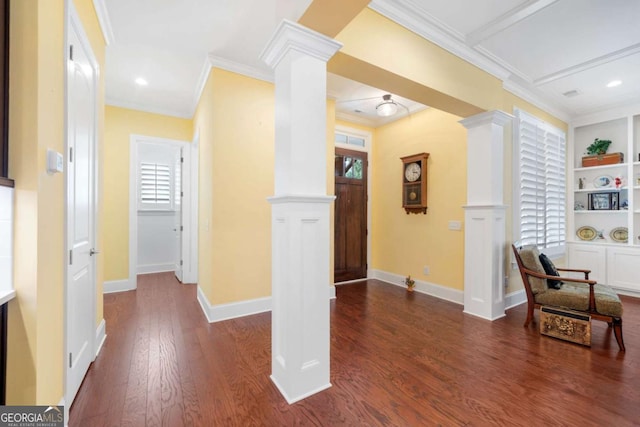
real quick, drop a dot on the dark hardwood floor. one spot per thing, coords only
(397, 359)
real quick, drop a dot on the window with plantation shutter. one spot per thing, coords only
(155, 186)
(539, 184)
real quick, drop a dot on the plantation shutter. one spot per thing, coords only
(542, 188)
(155, 185)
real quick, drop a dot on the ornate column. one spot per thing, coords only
(484, 237)
(300, 212)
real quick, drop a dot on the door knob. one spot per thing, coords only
(93, 252)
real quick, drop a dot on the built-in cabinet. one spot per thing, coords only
(603, 232)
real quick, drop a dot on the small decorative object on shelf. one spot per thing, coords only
(618, 181)
(625, 204)
(597, 154)
(578, 206)
(410, 283)
(603, 201)
(619, 234)
(581, 183)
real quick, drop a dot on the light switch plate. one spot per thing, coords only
(455, 225)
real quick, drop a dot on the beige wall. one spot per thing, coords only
(36, 123)
(235, 122)
(120, 124)
(403, 244)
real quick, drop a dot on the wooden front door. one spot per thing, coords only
(350, 215)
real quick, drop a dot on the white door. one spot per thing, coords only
(80, 299)
(178, 197)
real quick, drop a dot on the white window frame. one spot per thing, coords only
(547, 133)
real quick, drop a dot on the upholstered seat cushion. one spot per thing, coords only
(531, 260)
(575, 296)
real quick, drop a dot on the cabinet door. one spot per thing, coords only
(590, 257)
(622, 268)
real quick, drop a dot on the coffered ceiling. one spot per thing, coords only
(541, 49)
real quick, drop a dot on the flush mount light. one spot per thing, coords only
(141, 82)
(387, 107)
(614, 83)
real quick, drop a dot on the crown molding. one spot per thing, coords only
(236, 67)
(103, 18)
(630, 107)
(528, 95)
(147, 109)
(201, 83)
(293, 36)
(411, 16)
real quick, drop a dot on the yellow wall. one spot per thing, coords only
(120, 123)
(36, 123)
(403, 244)
(235, 121)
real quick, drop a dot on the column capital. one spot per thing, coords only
(292, 36)
(496, 117)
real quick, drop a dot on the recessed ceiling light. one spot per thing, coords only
(141, 82)
(614, 83)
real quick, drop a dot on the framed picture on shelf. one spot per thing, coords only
(603, 201)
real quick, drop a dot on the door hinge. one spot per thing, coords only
(71, 52)
(181, 228)
(71, 154)
(70, 360)
(181, 159)
(71, 257)
(180, 262)
(182, 194)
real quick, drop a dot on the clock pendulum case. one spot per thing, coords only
(414, 183)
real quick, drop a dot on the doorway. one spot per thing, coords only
(350, 239)
(81, 190)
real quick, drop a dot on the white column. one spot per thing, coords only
(300, 212)
(484, 238)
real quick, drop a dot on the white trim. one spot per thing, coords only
(66, 411)
(514, 299)
(73, 23)
(413, 17)
(187, 214)
(220, 312)
(626, 292)
(496, 117)
(290, 36)
(439, 291)
(242, 69)
(300, 198)
(615, 113)
(537, 101)
(118, 286)
(291, 400)
(156, 268)
(201, 83)
(349, 282)
(101, 336)
(146, 108)
(105, 23)
(507, 19)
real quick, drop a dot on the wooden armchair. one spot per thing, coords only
(584, 295)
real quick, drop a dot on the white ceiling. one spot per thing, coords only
(539, 48)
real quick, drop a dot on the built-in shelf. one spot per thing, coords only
(605, 211)
(600, 190)
(603, 167)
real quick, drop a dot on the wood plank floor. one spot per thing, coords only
(397, 359)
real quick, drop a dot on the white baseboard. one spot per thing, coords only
(514, 299)
(156, 268)
(627, 292)
(101, 336)
(217, 313)
(291, 400)
(117, 286)
(435, 290)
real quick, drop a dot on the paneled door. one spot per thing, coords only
(81, 143)
(350, 242)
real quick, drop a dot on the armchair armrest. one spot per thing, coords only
(576, 270)
(592, 296)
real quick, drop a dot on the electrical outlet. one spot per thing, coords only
(426, 270)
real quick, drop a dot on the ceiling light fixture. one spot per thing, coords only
(387, 107)
(141, 82)
(614, 83)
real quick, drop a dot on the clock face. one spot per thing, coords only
(412, 172)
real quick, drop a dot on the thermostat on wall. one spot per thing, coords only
(54, 161)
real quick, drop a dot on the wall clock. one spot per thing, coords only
(414, 183)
